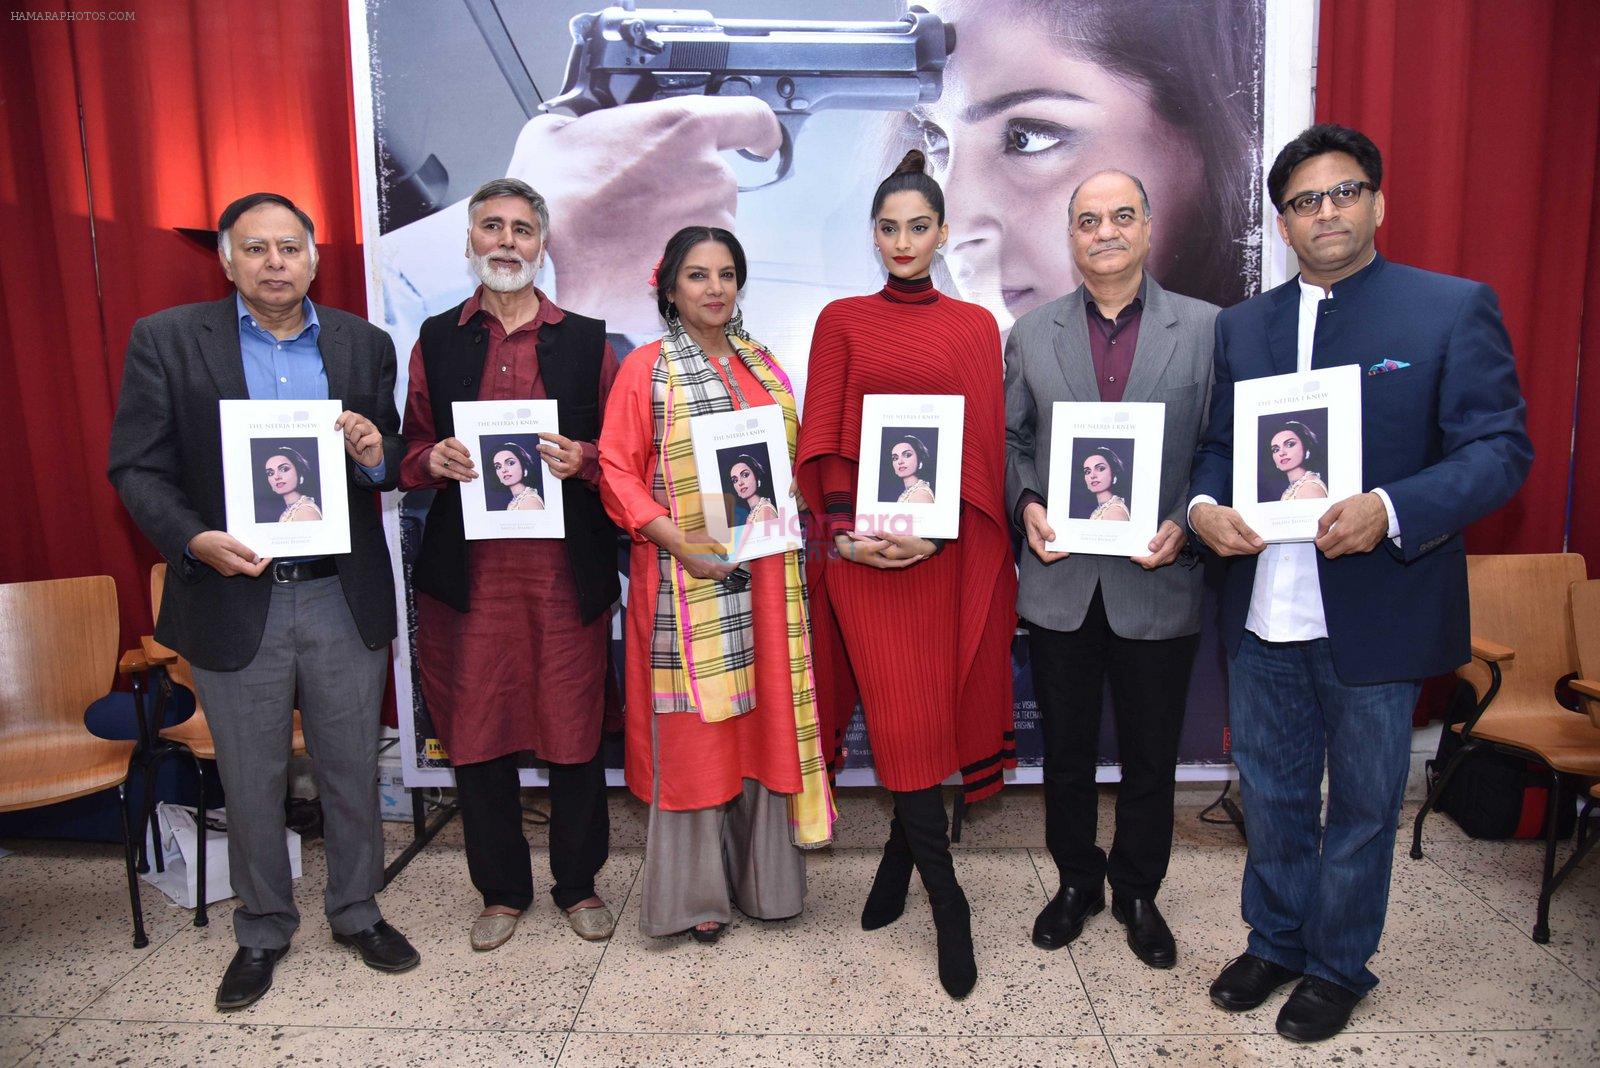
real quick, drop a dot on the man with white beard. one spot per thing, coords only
(512, 634)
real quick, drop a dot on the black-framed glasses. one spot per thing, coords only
(1343, 195)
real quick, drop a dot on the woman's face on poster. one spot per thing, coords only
(744, 481)
(1097, 474)
(282, 477)
(1020, 123)
(1288, 451)
(903, 458)
(507, 468)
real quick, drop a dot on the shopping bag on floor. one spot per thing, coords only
(179, 853)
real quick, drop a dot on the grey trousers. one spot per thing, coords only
(699, 864)
(310, 647)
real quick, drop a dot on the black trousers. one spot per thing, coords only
(497, 852)
(1149, 688)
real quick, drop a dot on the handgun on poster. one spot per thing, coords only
(624, 55)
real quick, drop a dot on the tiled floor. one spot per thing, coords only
(1463, 982)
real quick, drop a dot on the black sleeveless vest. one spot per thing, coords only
(570, 354)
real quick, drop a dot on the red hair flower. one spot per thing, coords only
(655, 273)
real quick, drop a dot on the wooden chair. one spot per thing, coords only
(58, 648)
(1523, 643)
(1585, 609)
(193, 735)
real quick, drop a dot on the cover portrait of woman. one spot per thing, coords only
(292, 479)
(1295, 452)
(518, 473)
(911, 459)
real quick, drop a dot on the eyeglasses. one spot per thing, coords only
(1343, 195)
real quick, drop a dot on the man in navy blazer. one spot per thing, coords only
(1328, 640)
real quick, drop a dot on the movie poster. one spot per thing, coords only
(781, 132)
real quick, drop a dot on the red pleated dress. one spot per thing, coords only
(927, 647)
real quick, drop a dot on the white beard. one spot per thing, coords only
(498, 280)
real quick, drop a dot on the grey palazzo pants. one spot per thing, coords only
(310, 648)
(699, 864)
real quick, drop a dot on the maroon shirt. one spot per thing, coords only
(1112, 343)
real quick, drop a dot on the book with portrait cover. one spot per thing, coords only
(1296, 449)
(1104, 488)
(283, 476)
(742, 461)
(910, 464)
(514, 495)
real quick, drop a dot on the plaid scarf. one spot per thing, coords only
(702, 649)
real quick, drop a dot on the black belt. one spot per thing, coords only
(289, 571)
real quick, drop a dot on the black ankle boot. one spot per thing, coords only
(887, 898)
(958, 968)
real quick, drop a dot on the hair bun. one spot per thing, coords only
(913, 162)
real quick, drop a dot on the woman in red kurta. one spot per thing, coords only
(721, 721)
(923, 629)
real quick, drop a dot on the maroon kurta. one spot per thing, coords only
(520, 671)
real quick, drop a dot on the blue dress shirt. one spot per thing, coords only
(290, 369)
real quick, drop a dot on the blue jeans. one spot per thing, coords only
(1315, 897)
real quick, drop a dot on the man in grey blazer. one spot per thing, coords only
(1119, 337)
(265, 636)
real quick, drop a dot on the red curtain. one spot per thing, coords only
(115, 134)
(1488, 115)
(1586, 445)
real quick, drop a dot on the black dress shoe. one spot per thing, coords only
(1148, 934)
(1062, 920)
(1247, 981)
(1317, 1009)
(382, 947)
(249, 975)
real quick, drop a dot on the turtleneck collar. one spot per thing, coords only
(913, 291)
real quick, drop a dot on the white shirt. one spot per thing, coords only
(1286, 600)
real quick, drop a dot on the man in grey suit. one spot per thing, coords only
(1119, 337)
(266, 635)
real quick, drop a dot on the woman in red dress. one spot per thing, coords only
(722, 735)
(948, 709)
